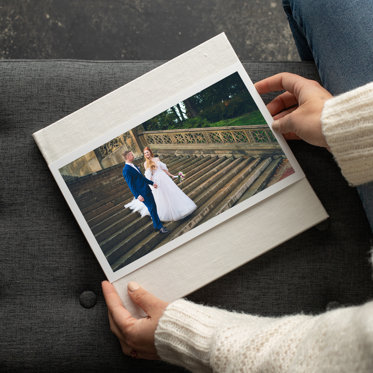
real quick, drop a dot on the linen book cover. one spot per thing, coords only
(177, 178)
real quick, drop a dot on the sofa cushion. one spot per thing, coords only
(53, 315)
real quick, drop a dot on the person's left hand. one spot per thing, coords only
(136, 336)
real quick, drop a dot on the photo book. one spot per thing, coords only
(177, 178)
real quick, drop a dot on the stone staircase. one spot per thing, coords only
(214, 183)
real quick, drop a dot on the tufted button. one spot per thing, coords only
(88, 299)
(332, 305)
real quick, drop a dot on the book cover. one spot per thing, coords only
(187, 147)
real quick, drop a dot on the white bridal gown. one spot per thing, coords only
(172, 203)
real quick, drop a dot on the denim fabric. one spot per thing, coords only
(338, 36)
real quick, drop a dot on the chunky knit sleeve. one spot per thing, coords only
(204, 339)
(348, 128)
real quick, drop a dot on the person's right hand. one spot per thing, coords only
(155, 185)
(141, 198)
(298, 110)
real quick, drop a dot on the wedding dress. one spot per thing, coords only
(172, 203)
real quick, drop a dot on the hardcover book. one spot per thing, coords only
(177, 178)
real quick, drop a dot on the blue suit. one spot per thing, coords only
(139, 186)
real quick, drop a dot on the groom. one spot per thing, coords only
(139, 186)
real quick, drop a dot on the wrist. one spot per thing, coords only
(183, 335)
(186, 331)
(347, 127)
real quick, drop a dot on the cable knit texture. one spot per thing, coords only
(204, 339)
(348, 128)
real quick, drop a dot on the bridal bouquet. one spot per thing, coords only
(180, 176)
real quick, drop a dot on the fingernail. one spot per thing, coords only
(133, 286)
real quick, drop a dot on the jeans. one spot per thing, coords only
(338, 36)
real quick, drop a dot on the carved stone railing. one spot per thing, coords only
(111, 146)
(212, 135)
(236, 138)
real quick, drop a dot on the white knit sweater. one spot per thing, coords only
(204, 339)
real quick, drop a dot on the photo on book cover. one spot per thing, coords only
(177, 173)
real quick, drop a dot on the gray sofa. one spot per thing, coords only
(53, 315)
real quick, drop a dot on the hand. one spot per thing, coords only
(298, 110)
(141, 198)
(136, 336)
(155, 185)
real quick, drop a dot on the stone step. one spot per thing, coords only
(211, 169)
(125, 245)
(178, 162)
(223, 192)
(172, 162)
(177, 166)
(98, 194)
(101, 221)
(90, 200)
(84, 183)
(194, 165)
(127, 236)
(262, 181)
(214, 183)
(111, 235)
(166, 161)
(118, 252)
(284, 169)
(133, 222)
(216, 180)
(246, 183)
(110, 228)
(98, 218)
(146, 244)
(183, 166)
(104, 225)
(100, 173)
(97, 208)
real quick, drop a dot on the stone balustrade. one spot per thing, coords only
(242, 139)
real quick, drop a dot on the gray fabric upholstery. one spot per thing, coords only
(53, 315)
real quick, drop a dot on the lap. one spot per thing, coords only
(339, 36)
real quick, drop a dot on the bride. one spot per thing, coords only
(172, 203)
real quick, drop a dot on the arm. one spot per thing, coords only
(169, 174)
(128, 177)
(347, 123)
(148, 181)
(148, 174)
(202, 338)
(165, 169)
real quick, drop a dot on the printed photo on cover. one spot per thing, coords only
(203, 156)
